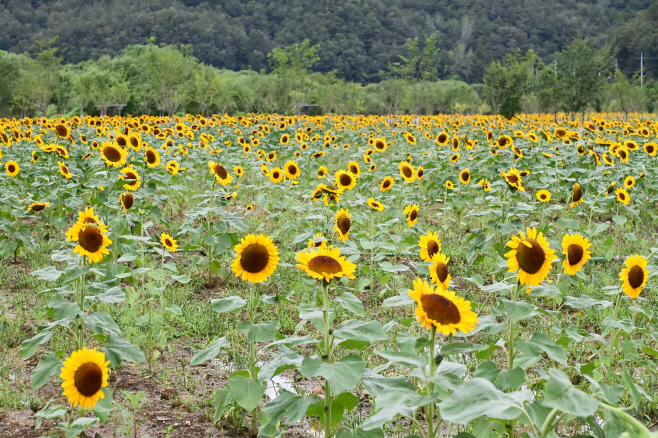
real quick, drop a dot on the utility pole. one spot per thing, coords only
(555, 66)
(641, 69)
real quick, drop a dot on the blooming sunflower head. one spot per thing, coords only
(576, 195)
(465, 176)
(292, 170)
(345, 180)
(127, 201)
(38, 206)
(442, 309)
(576, 250)
(634, 276)
(623, 196)
(325, 263)
(317, 241)
(411, 212)
(375, 205)
(439, 273)
(168, 242)
(256, 258)
(429, 244)
(85, 373)
(543, 196)
(531, 256)
(407, 171)
(221, 175)
(12, 168)
(342, 224)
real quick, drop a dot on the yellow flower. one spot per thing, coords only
(85, 373)
(325, 263)
(442, 309)
(531, 256)
(168, 242)
(634, 276)
(256, 258)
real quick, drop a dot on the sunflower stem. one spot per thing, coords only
(327, 358)
(81, 304)
(430, 384)
(611, 361)
(252, 361)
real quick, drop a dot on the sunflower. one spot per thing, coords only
(88, 217)
(629, 182)
(634, 276)
(12, 168)
(651, 148)
(256, 258)
(271, 156)
(35, 156)
(375, 205)
(64, 170)
(420, 172)
(513, 179)
(576, 250)
(62, 131)
(611, 188)
(221, 175)
(85, 373)
(345, 180)
(87, 156)
(608, 160)
(465, 176)
(127, 201)
(380, 144)
(151, 157)
(429, 245)
(91, 239)
(285, 138)
(372, 167)
(238, 171)
(325, 263)
(131, 175)
(317, 241)
(113, 154)
(577, 195)
(168, 242)
(410, 138)
(38, 206)
(531, 256)
(407, 171)
(485, 184)
(386, 184)
(442, 309)
(622, 196)
(353, 167)
(442, 139)
(454, 158)
(622, 154)
(342, 225)
(276, 175)
(449, 185)
(543, 196)
(439, 270)
(322, 172)
(249, 207)
(411, 211)
(291, 170)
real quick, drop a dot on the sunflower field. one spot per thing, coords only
(330, 276)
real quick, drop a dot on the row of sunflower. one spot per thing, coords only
(130, 170)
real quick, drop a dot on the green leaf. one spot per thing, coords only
(212, 351)
(182, 278)
(222, 397)
(47, 274)
(261, 332)
(630, 386)
(388, 267)
(585, 302)
(619, 219)
(341, 375)
(600, 228)
(246, 392)
(229, 304)
(77, 426)
(345, 432)
(103, 408)
(518, 310)
(118, 349)
(29, 346)
(363, 283)
(286, 408)
(560, 394)
(351, 303)
(404, 359)
(361, 330)
(385, 415)
(112, 295)
(74, 271)
(462, 347)
(49, 365)
(99, 321)
(574, 224)
(480, 397)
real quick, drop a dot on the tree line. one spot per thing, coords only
(166, 80)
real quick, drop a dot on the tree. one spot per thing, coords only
(292, 65)
(582, 72)
(506, 82)
(47, 63)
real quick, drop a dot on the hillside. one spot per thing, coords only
(357, 37)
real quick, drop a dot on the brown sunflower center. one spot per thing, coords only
(353, 169)
(502, 141)
(219, 170)
(134, 142)
(91, 238)
(542, 196)
(636, 276)
(387, 184)
(577, 194)
(112, 154)
(406, 171)
(323, 264)
(466, 176)
(440, 309)
(292, 170)
(512, 179)
(379, 144)
(442, 138)
(432, 247)
(320, 172)
(254, 258)
(622, 196)
(150, 157)
(574, 254)
(130, 175)
(168, 242)
(650, 149)
(276, 174)
(421, 172)
(345, 179)
(121, 141)
(88, 379)
(441, 271)
(343, 224)
(11, 168)
(413, 215)
(62, 131)
(128, 200)
(610, 189)
(38, 207)
(530, 259)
